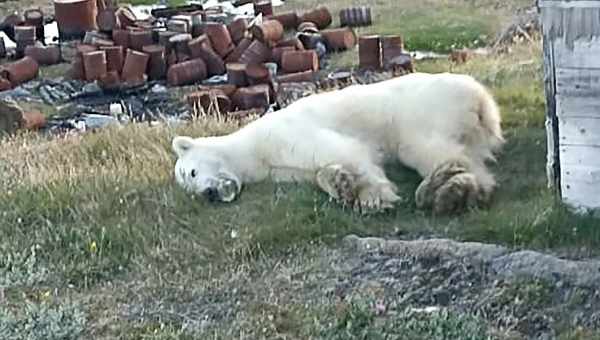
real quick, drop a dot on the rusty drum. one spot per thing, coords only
(75, 17)
(369, 52)
(299, 61)
(268, 32)
(20, 71)
(187, 72)
(256, 53)
(320, 16)
(114, 58)
(95, 65)
(134, 67)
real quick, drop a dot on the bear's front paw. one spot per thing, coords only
(376, 197)
(338, 182)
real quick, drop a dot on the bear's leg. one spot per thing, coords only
(452, 182)
(366, 187)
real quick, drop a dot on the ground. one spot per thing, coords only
(98, 242)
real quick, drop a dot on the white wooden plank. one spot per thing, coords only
(581, 186)
(577, 82)
(579, 131)
(583, 54)
(580, 155)
(568, 106)
(568, 4)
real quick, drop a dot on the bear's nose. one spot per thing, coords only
(211, 194)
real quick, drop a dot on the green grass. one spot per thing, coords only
(88, 212)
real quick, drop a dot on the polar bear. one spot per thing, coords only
(445, 126)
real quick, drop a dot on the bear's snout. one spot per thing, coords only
(211, 194)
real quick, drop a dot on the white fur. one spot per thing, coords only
(421, 120)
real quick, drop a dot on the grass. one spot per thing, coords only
(80, 214)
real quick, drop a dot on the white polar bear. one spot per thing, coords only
(445, 126)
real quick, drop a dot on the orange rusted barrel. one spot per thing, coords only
(35, 17)
(339, 39)
(369, 52)
(140, 38)
(157, 65)
(294, 42)
(257, 74)
(219, 38)
(75, 17)
(263, 7)
(235, 55)
(201, 48)
(107, 19)
(278, 52)
(135, 66)
(306, 76)
(94, 64)
(237, 29)
(268, 32)
(320, 16)
(44, 55)
(114, 58)
(24, 36)
(252, 97)
(20, 71)
(256, 53)
(121, 37)
(33, 120)
(289, 20)
(391, 47)
(187, 72)
(299, 61)
(236, 74)
(4, 84)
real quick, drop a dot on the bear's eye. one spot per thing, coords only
(193, 173)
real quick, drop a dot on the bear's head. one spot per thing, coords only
(204, 170)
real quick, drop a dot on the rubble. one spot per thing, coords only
(244, 54)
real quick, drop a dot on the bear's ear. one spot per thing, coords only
(182, 144)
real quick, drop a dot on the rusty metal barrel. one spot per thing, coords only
(369, 52)
(289, 20)
(220, 38)
(339, 39)
(95, 65)
(264, 7)
(114, 58)
(256, 53)
(278, 53)
(140, 38)
(258, 74)
(75, 17)
(35, 17)
(237, 29)
(200, 47)
(306, 76)
(320, 16)
(356, 16)
(269, 31)
(107, 20)
(187, 72)
(20, 71)
(24, 36)
(134, 67)
(157, 65)
(252, 97)
(44, 55)
(236, 54)
(121, 37)
(299, 61)
(236, 74)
